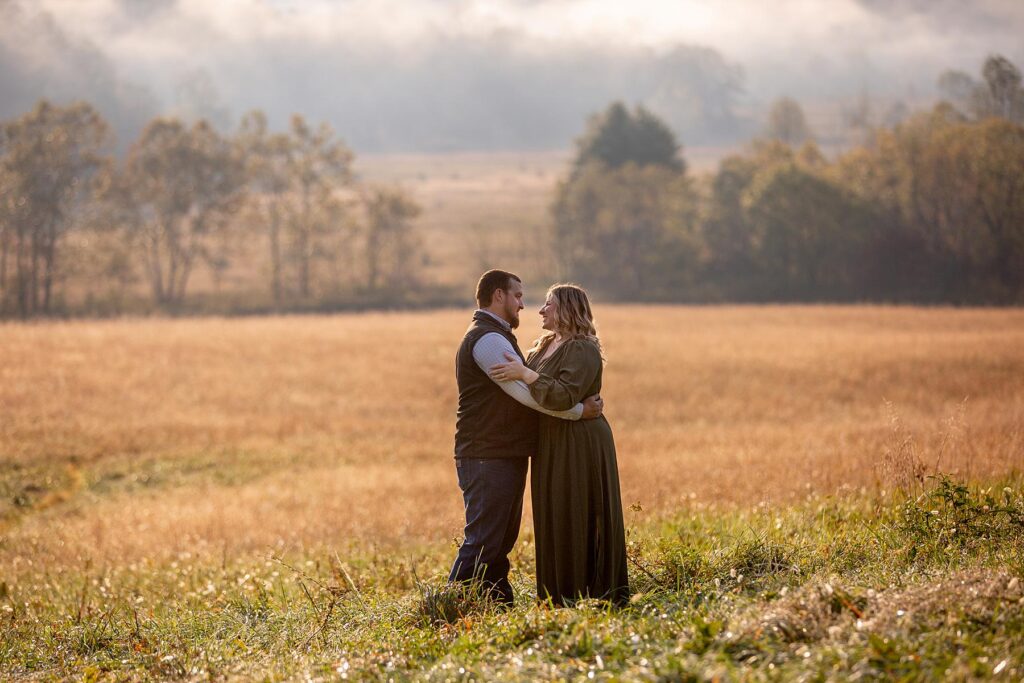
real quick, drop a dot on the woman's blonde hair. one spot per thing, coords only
(573, 317)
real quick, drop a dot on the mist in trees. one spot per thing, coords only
(392, 250)
(998, 93)
(317, 165)
(187, 198)
(51, 160)
(40, 57)
(468, 92)
(177, 190)
(626, 215)
(617, 137)
(787, 123)
(955, 189)
(928, 210)
(452, 76)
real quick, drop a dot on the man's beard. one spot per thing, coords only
(513, 318)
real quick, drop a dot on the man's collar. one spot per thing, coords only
(501, 321)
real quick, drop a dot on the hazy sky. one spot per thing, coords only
(439, 74)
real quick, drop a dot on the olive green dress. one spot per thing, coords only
(577, 507)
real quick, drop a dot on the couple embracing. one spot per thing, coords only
(545, 406)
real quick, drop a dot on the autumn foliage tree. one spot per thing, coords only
(625, 218)
(50, 161)
(787, 123)
(267, 156)
(956, 188)
(392, 248)
(631, 231)
(999, 93)
(809, 235)
(317, 164)
(178, 188)
(929, 208)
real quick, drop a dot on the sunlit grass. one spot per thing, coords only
(870, 586)
(277, 494)
(122, 439)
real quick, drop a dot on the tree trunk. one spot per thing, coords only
(372, 256)
(304, 246)
(186, 254)
(172, 266)
(22, 290)
(34, 273)
(5, 246)
(179, 292)
(275, 252)
(304, 235)
(178, 289)
(156, 276)
(49, 263)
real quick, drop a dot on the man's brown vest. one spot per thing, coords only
(490, 423)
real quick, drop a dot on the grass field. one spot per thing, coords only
(477, 208)
(206, 498)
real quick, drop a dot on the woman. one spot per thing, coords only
(574, 480)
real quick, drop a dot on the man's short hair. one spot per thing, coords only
(492, 281)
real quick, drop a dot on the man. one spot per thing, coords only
(495, 435)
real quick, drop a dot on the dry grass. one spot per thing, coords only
(134, 439)
(478, 208)
(482, 208)
(822, 611)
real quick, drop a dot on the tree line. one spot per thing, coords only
(187, 196)
(928, 210)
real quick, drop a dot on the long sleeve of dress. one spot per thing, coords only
(490, 351)
(575, 375)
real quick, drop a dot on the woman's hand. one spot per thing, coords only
(512, 370)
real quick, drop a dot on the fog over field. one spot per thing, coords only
(479, 75)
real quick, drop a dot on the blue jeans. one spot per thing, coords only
(492, 490)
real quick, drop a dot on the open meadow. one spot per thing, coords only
(238, 248)
(201, 498)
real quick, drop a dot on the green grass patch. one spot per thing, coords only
(914, 588)
(26, 490)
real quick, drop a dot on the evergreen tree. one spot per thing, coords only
(617, 137)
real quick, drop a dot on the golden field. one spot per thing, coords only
(129, 439)
(477, 208)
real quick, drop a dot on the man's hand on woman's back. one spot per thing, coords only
(593, 406)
